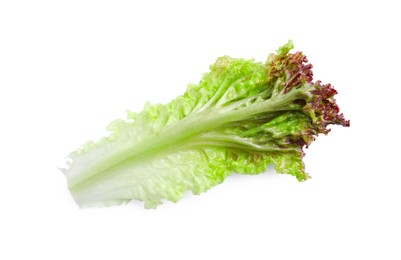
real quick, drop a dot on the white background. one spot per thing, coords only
(68, 68)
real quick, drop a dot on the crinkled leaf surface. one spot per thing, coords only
(241, 117)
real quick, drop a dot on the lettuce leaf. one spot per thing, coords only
(241, 117)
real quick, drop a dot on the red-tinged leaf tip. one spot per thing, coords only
(324, 108)
(292, 70)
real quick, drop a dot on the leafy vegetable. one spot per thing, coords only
(241, 117)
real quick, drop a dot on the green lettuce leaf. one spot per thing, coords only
(242, 117)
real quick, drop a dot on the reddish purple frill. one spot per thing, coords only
(292, 71)
(324, 109)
